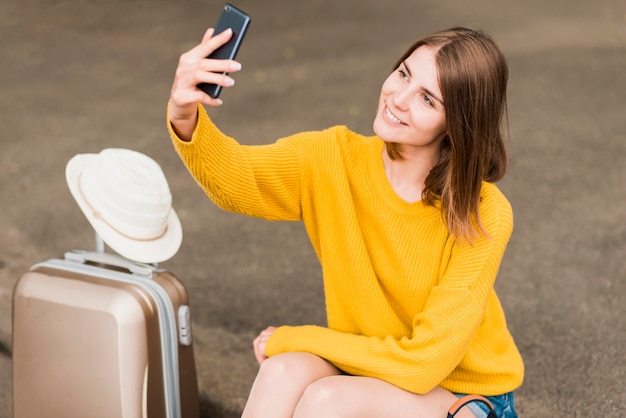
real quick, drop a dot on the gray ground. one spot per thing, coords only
(79, 76)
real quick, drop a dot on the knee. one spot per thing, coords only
(290, 367)
(277, 368)
(326, 397)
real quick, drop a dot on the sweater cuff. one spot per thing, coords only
(289, 338)
(204, 126)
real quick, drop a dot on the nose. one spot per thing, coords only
(400, 99)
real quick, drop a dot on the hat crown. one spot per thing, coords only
(128, 191)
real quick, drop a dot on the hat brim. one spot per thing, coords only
(144, 251)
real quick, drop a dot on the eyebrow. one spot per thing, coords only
(430, 93)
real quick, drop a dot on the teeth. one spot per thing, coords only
(392, 116)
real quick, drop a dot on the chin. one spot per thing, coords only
(383, 132)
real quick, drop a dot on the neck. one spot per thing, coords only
(407, 175)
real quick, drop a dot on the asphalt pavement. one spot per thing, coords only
(83, 75)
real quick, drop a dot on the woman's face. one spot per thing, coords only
(410, 110)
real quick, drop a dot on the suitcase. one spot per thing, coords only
(96, 335)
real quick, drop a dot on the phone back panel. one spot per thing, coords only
(89, 341)
(237, 20)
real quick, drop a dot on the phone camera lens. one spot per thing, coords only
(227, 8)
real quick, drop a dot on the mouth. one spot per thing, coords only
(391, 117)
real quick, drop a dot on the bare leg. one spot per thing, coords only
(281, 381)
(363, 397)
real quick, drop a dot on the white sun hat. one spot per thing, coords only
(126, 199)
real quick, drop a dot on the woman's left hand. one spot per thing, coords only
(259, 343)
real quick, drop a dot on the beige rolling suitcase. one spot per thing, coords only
(96, 335)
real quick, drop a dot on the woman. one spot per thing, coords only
(408, 226)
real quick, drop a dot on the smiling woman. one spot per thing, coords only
(408, 226)
(472, 74)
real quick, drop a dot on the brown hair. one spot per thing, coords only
(473, 75)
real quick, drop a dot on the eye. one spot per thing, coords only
(403, 73)
(428, 100)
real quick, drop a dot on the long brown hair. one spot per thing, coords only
(473, 76)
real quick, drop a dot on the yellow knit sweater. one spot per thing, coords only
(405, 303)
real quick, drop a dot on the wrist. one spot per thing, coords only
(183, 126)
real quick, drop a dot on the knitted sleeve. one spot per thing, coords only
(441, 333)
(261, 181)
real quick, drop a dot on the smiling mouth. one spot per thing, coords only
(392, 117)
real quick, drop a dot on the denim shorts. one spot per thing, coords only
(504, 406)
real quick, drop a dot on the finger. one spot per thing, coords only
(189, 74)
(208, 46)
(260, 342)
(266, 334)
(270, 329)
(260, 355)
(259, 352)
(214, 78)
(208, 34)
(208, 100)
(223, 36)
(220, 66)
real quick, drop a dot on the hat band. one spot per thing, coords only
(99, 216)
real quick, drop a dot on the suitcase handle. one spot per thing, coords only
(139, 269)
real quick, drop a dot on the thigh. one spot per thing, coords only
(363, 397)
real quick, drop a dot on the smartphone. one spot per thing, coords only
(239, 22)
